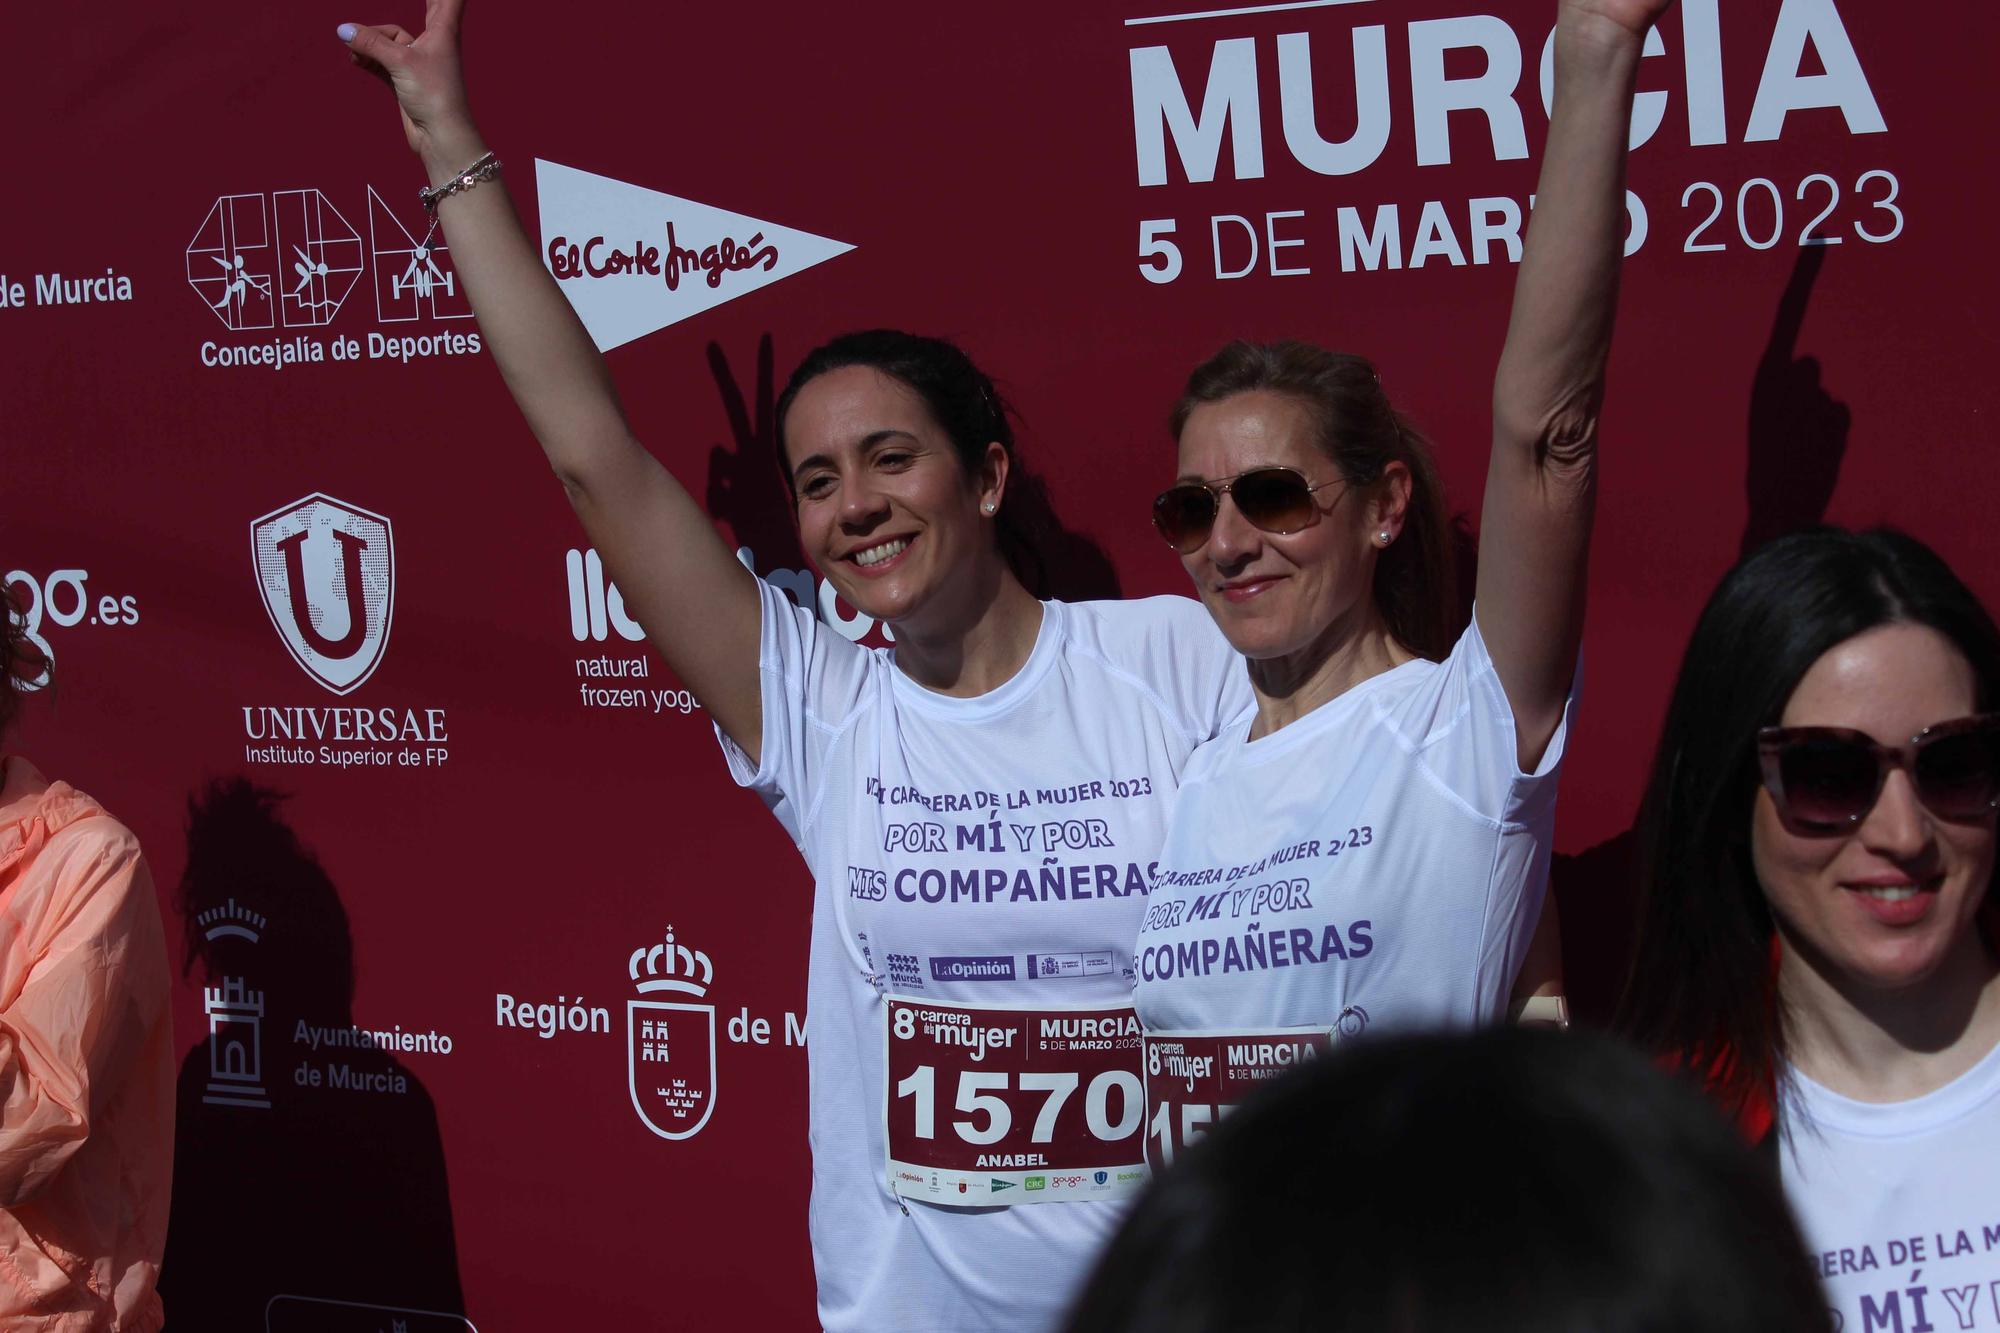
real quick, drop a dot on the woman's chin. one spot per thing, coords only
(1266, 647)
(1893, 967)
(885, 599)
(1258, 637)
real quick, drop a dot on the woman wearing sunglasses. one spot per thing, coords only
(1820, 920)
(1370, 849)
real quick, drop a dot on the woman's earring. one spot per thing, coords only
(1382, 538)
(989, 507)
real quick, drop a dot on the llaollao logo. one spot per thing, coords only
(326, 570)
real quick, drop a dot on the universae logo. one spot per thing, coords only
(326, 571)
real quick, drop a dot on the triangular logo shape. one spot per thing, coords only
(633, 260)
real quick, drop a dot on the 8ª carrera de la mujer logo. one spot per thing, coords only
(326, 570)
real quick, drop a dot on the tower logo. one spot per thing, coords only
(327, 573)
(235, 1018)
(669, 1045)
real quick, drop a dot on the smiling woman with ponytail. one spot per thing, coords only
(897, 456)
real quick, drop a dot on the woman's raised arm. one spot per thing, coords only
(1541, 484)
(697, 603)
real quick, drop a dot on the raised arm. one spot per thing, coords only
(1541, 485)
(697, 603)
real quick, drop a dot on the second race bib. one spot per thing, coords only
(1194, 1078)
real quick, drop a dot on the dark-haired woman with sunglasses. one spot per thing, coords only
(1821, 914)
(1370, 849)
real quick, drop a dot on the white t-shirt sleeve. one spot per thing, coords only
(1461, 730)
(1211, 679)
(810, 681)
(1169, 649)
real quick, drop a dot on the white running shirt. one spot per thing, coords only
(1049, 799)
(1377, 864)
(1900, 1202)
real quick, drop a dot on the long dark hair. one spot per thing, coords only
(1362, 433)
(1703, 989)
(964, 402)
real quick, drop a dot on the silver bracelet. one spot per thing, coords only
(485, 169)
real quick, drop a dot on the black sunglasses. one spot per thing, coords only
(1827, 779)
(1273, 499)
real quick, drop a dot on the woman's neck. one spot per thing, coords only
(1354, 648)
(978, 642)
(1890, 1046)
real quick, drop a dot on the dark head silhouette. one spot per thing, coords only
(241, 853)
(305, 1169)
(1510, 1181)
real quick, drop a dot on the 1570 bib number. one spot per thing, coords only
(990, 1106)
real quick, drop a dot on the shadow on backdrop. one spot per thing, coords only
(309, 1184)
(1797, 438)
(746, 490)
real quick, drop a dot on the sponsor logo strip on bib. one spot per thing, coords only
(1001, 1105)
(1193, 1079)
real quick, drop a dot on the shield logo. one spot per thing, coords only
(326, 570)
(670, 1065)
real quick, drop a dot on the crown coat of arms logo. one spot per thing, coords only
(669, 1045)
(326, 570)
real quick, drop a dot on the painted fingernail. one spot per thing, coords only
(346, 32)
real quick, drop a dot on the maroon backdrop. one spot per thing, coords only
(989, 167)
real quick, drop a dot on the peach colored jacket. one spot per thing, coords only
(86, 1066)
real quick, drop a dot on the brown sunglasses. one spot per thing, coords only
(1826, 779)
(1272, 499)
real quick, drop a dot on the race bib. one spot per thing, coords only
(1194, 1078)
(994, 1106)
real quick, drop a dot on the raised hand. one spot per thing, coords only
(1798, 430)
(680, 580)
(423, 71)
(1634, 16)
